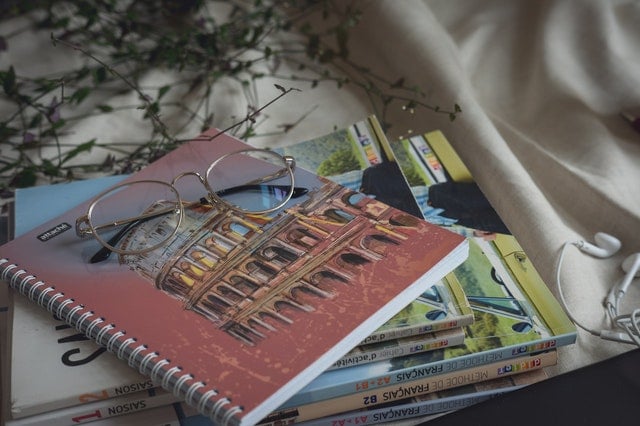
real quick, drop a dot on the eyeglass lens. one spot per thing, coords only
(252, 181)
(150, 203)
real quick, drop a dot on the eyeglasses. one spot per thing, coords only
(251, 181)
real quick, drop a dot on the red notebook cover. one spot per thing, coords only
(246, 331)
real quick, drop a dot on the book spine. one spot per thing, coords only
(369, 153)
(402, 411)
(434, 403)
(409, 331)
(98, 410)
(5, 351)
(98, 395)
(85, 398)
(459, 315)
(428, 342)
(418, 387)
(349, 384)
(138, 355)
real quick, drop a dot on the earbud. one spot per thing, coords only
(626, 327)
(631, 266)
(606, 245)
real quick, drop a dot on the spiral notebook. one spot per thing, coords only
(238, 312)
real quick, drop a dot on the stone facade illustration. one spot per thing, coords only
(252, 275)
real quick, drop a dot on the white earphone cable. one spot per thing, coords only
(561, 293)
(628, 326)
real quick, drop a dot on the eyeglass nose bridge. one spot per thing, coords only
(210, 199)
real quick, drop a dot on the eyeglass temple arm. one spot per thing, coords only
(297, 191)
(104, 253)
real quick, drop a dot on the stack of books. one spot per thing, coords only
(488, 327)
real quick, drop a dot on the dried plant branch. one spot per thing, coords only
(124, 40)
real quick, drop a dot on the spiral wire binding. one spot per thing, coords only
(172, 378)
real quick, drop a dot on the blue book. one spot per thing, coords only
(38, 204)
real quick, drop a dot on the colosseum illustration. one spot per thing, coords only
(253, 275)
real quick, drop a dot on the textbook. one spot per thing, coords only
(605, 392)
(5, 352)
(45, 346)
(417, 387)
(441, 307)
(515, 312)
(240, 310)
(99, 409)
(388, 349)
(167, 415)
(96, 384)
(442, 401)
(410, 408)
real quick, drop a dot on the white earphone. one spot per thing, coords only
(631, 266)
(606, 245)
(625, 328)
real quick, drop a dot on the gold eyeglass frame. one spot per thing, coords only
(84, 227)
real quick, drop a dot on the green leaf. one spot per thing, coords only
(79, 95)
(35, 121)
(49, 169)
(24, 178)
(163, 91)
(105, 108)
(52, 130)
(6, 132)
(83, 147)
(99, 75)
(9, 81)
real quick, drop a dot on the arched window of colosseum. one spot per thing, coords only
(279, 254)
(260, 270)
(403, 219)
(243, 284)
(337, 215)
(302, 237)
(378, 243)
